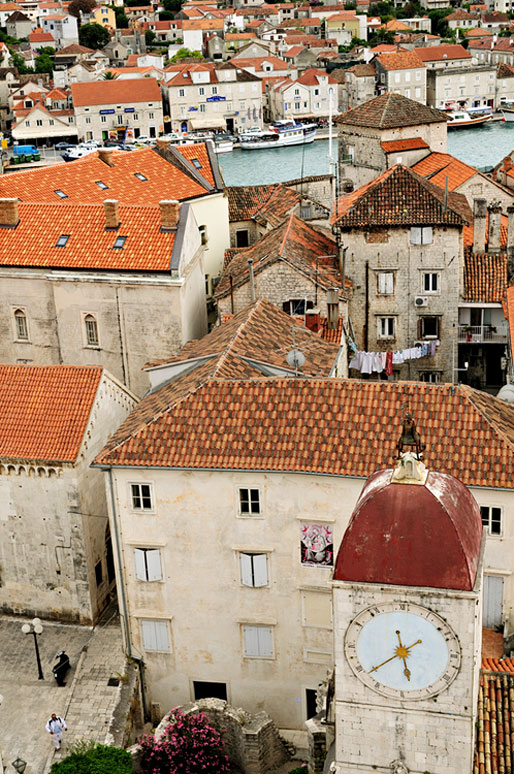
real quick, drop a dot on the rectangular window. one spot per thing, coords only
(60, 193)
(103, 119)
(91, 324)
(150, 116)
(61, 242)
(156, 635)
(141, 497)
(430, 282)
(201, 91)
(242, 239)
(386, 327)
(258, 641)
(249, 502)
(88, 120)
(119, 242)
(120, 119)
(491, 519)
(148, 564)
(428, 327)
(432, 377)
(21, 328)
(254, 569)
(39, 122)
(421, 235)
(181, 92)
(385, 283)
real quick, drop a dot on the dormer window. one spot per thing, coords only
(60, 193)
(120, 241)
(140, 176)
(61, 242)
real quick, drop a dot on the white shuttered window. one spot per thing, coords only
(258, 641)
(156, 635)
(148, 564)
(254, 569)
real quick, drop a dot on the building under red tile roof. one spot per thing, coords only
(411, 143)
(130, 91)
(90, 245)
(44, 410)
(436, 167)
(362, 70)
(247, 202)
(166, 177)
(400, 197)
(485, 278)
(405, 60)
(325, 426)
(389, 111)
(442, 52)
(203, 24)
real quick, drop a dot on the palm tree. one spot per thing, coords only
(109, 76)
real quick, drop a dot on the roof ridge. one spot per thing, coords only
(230, 345)
(468, 392)
(286, 235)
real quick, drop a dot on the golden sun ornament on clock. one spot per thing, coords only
(402, 651)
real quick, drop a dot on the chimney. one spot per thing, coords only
(507, 163)
(112, 213)
(479, 225)
(170, 209)
(105, 155)
(252, 279)
(495, 215)
(161, 144)
(510, 232)
(332, 309)
(9, 212)
(312, 320)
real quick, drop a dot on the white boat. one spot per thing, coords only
(507, 115)
(81, 150)
(223, 143)
(461, 118)
(280, 134)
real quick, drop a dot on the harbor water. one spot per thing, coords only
(480, 146)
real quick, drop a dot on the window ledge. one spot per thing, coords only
(22, 341)
(93, 346)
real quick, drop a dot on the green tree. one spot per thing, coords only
(44, 62)
(410, 10)
(382, 9)
(381, 36)
(122, 21)
(185, 53)
(93, 36)
(93, 758)
(150, 37)
(439, 23)
(76, 7)
(19, 62)
(109, 76)
(172, 5)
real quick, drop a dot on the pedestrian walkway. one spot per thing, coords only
(86, 702)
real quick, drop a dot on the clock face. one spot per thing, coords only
(402, 650)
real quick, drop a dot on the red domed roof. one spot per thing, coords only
(412, 534)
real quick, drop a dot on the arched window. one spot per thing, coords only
(91, 330)
(20, 321)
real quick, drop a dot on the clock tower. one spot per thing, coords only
(407, 603)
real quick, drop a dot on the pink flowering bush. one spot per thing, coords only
(189, 745)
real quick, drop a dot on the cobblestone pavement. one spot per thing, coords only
(86, 702)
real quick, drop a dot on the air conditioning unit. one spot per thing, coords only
(419, 343)
(421, 301)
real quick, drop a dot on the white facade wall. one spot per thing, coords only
(196, 525)
(237, 98)
(475, 86)
(95, 122)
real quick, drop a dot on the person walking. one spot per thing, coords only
(55, 727)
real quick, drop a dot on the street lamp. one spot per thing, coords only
(35, 630)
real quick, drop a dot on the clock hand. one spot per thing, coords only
(404, 652)
(382, 664)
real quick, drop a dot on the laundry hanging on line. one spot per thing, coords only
(376, 362)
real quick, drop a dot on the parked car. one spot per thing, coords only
(90, 144)
(128, 147)
(111, 144)
(143, 140)
(63, 146)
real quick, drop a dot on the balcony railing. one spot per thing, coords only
(483, 334)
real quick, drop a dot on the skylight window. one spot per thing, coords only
(140, 176)
(101, 185)
(196, 163)
(61, 194)
(120, 241)
(61, 242)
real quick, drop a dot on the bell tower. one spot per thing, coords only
(407, 598)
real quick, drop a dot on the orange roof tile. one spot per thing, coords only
(90, 246)
(509, 313)
(412, 143)
(203, 24)
(324, 426)
(198, 152)
(468, 232)
(436, 167)
(498, 664)
(113, 92)
(406, 60)
(79, 179)
(443, 51)
(485, 278)
(494, 725)
(44, 410)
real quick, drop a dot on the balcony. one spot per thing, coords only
(483, 334)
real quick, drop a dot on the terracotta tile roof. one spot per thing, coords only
(436, 167)
(90, 245)
(240, 35)
(485, 278)
(477, 32)
(326, 426)
(198, 152)
(508, 308)
(395, 25)
(389, 111)
(443, 51)
(114, 92)
(362, 70)
(460, 15)
(261, 333)
(495, 724)
(468, 232)
(79, 179)
(246, 202)
(44, 410)
(406, 60)
(331, 334)
(312, 76)
(400, 197)
(302, 246)
(383, 48)
(203, 24)
(412, 143)
(495, 16)
(498, 664)
(40, 37)
(504, 71)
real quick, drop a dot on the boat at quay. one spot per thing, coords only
(281, 133)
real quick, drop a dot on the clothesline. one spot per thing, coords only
(376, 362)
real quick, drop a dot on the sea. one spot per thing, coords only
(480, 146)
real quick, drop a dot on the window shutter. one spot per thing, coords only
(251, 640)
(415, 235)
(389, 283)
(153, 561)
(426, 234)
(162, 635)
(420, 327)
(246, 569)
(265, 641)
(149, 635)
(438, 327)
(260, 569)
(139, 556)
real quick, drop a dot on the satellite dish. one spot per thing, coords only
(506, 393)
(295, 359)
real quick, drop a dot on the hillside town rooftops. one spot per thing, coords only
(389, 111)
(437, 167)
(45, 409)
(246, 202)
(400, 197)
(442, 52)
